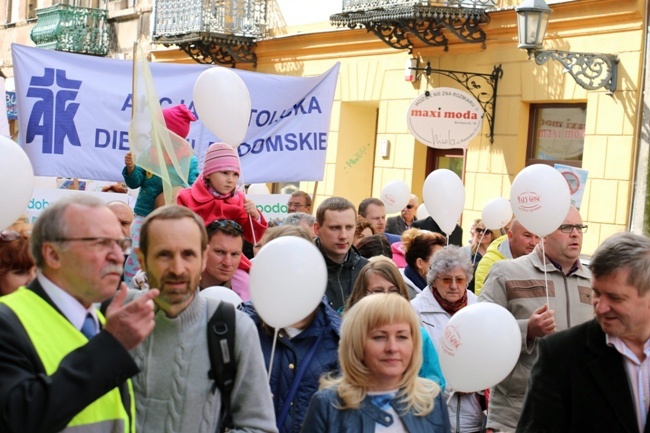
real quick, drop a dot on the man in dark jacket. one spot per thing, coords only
(593, 377)
(336, 220)
(456, 237)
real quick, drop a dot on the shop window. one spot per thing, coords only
(451, 159)
(556, 134)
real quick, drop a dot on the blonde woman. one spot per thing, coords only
(379, 388)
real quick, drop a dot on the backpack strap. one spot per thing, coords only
(221, 346)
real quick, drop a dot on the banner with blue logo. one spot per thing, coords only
(74, 113)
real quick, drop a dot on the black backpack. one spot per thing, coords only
(223, 365)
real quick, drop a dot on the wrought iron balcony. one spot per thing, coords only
(396, 22)
(211, 31)
(71, 28)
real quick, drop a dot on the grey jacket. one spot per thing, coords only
(173, 392)
(519, 286)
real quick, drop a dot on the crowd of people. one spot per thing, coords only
(86, 348)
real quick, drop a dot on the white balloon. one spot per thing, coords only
(395, 195)
(17, 180)
(287, 280)
(259, 189)
(540, 198)
(496, 213)
(223, 294)
(422, 212)
(474, 331)
(223, 104)
(443, 194)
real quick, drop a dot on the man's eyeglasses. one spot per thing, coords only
(12, 235)
(219, 224)
(568, 228)
(380, 291)
(460, 281)
(124, 244)
(409, 206)
(292, 204)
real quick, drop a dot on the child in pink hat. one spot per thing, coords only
(214, 195)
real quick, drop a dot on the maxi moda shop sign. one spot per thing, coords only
(445, 118)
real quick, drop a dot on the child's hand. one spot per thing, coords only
(128, 161)
(251, 209)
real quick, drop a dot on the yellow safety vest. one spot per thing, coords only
(53, 337)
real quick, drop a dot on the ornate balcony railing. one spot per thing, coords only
(211, 31)
(71, 28)
(396, 22)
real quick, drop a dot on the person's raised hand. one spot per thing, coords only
(128, 161)
(542, 322)
(251, 209)
(131, 323)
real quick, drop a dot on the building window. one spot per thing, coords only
(556, 134)
(451, 159)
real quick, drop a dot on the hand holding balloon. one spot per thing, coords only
(251, 209)
(542, 322)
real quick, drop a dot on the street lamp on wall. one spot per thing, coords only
(590, 70)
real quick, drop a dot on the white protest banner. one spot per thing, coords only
(273, 206)
(74, 114)
(445, 118)
(43, 197)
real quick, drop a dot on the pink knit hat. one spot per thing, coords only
(178, 118)
(220, 157)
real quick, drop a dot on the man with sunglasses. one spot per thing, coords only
(224, 255)
(520, 286)
(63, 367)
(399, 223)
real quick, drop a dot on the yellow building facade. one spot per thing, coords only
(372, 99)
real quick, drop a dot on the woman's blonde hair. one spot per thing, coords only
(356, 379)
(495, 234)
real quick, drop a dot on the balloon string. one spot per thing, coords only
(476, 253)
(545, 273)
(250, 219)
(275, 340)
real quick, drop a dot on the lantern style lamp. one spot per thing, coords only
(591, 71)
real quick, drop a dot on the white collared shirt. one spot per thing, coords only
(638, 374)
(69, 306)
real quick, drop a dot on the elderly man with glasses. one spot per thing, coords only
(400, 223)
(299, 201)
(521, 286)
(63, 366)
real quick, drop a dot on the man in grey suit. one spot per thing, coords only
(594, 377)
(398, 224)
